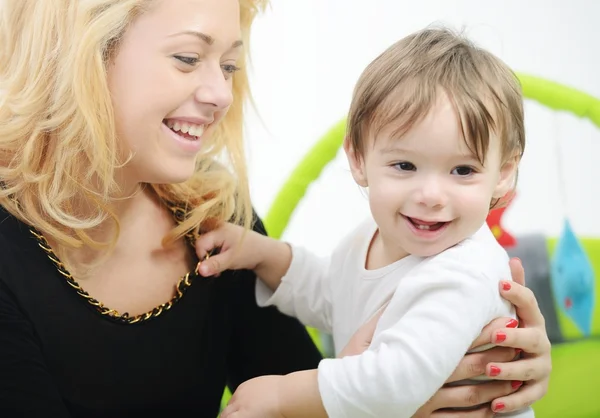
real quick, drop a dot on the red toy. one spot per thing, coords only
(494, 221)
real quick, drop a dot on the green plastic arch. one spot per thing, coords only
(548, 93)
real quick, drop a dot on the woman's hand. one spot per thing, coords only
(535, 364)
(520, 382)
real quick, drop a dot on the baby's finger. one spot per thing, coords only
(227, 412)
(213, 265)
(206, 243)
(520, 399)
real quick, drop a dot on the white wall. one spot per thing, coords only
(307, 55)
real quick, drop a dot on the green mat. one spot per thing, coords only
(574, 383)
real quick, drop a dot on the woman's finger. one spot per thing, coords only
(521, 370)
(486, 333)
(473, 365)
(526, 396)
(525, 303)
(361, 339)
(529, 340)
(481, 412)
(469, 395)
(516, 271)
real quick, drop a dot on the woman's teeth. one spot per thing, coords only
(186, 128)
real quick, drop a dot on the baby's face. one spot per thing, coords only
(427, 192)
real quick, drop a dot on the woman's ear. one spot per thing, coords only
(357, 164)
(508, 178)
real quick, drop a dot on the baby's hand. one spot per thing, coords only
(237, 249)
(256, 398)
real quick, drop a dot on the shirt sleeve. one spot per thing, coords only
(304, 292)
(26, 387)
(264, 341)
(441, 311)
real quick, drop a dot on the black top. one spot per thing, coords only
(60, 357)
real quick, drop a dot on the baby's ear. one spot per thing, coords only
(357, 164)
(508, 177)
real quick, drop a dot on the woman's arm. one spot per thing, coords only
(26, 387)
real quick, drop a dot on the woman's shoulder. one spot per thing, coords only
(10, 226)
(16, 240)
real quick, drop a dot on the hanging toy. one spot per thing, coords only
(573, 280)
(494, 221)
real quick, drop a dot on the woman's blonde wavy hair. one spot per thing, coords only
(57, 130)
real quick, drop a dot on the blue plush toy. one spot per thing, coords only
(573, 280)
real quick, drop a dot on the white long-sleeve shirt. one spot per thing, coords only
(438, 306)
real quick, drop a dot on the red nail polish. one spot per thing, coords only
(499, 407)
(516, 384)
(500, 337)
(513, 323)
(494, 371)
(506, 286)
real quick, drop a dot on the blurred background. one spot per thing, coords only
(307, 56)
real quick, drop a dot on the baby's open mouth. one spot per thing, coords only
(426, 225)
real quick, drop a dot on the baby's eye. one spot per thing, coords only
(405, 166)
(463, 170)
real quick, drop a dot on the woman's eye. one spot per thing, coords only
(230, 68)
(405, 166)
(187, 60)
(463, 171)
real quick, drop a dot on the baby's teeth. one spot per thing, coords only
(176, 126)
(423, 226)
(185, 128)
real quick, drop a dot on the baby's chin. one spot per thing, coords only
(435, 248)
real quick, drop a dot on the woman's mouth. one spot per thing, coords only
(186, 130)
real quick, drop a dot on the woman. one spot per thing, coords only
(113, 115)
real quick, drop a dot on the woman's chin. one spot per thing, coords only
(173, 175)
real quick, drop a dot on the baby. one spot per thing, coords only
(435, 133)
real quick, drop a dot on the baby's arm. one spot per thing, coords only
(243, 249)
(292, 279)
(440, 313)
